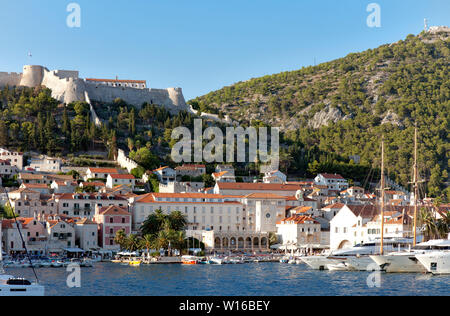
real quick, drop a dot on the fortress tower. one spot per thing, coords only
(32, 76)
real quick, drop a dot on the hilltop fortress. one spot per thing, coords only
(67, 87)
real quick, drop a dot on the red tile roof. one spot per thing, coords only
(299, 219)
(122, 176)
(115, 80)
(258, 186)
(113, 210)
(332, 176)
(103, 170)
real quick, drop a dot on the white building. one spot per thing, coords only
(46, 164)
(299, 231)
(15, 158)
(203, 211)
(190, 170)
(11, 239)
(61, 235)
(345, 227)
(6, 169)
(63, 186)
(99, 173)
(274, 177)
(263, 211)
(165, 175)
(223, 176)
(86, 234)
(333, 181)
(120, 179)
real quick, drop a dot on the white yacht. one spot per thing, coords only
(12, 286)
(406, 261)
(357, 257)
(436, 262)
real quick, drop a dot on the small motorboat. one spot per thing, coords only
(135, 263)
(337, 267)
(189, 260)
(216, 260)
(56, 264)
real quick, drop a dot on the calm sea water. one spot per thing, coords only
(258, 279)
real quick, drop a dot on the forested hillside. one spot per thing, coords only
(342, 108)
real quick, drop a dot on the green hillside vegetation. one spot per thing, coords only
(383, 91)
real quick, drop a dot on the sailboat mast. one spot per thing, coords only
(382, 198)
(416, 187)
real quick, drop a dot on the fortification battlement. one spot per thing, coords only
(67, 87)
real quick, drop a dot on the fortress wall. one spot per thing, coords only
(125, 162)
(173, 101)
(10, 79)
(64, 89)
(66, 74)
(94, 116)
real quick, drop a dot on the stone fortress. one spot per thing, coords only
(67, 87)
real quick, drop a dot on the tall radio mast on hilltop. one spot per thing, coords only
(426, 25)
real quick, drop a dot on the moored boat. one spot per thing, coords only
(189, 260)
(436, 262)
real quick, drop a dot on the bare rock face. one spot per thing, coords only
(324, 117)
(392, 118)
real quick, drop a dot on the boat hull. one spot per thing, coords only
(436, 262)
(320, 262)
(363, 263)
(402, 263)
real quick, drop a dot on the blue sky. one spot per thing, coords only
(200, 45)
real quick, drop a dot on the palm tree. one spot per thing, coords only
(133, 242)
(120, 239)
(177, 220)
(153, 224)
(177, 239)
(428, 223)
(148, 242)
(163, 239)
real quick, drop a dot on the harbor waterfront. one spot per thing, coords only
(256, 279)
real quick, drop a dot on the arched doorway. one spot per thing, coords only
(241, 243)
(256, 242)
(233, 242)
(263, 242)
(248, 243)
(225, 243)
(217, 243)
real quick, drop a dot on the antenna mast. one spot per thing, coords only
(416, 187)
(382, 197)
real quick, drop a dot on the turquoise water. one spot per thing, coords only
(258, 279)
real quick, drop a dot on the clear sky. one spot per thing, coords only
(200, 45)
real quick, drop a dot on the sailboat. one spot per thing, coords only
(358, 257)
(406, 261)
